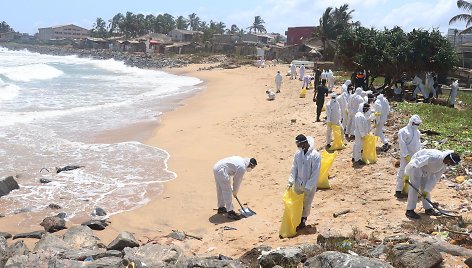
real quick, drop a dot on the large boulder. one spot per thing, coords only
(53, 224)
(51, 243)
(107, 262)
(80, 236)
(96, 224)
(421, 255)
(123, 240)
(41, 259)
(18, 248)
(3, 251)
(154, 255)
(35, 234)
(7, 185)
(331, 259)
(251, 258)
(83, 253)
(286, 257)
(6, 235)
(212, 263)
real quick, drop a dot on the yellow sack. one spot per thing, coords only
(338, 138)
(303, 92)
(293, 203)
(327, 160)
(324, 108)
(369, 150)
(406, 178)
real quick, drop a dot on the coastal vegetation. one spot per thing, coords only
(5, 28)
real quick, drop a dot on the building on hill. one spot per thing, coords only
(297, 35)
(69, 31)
(179, 35)
(155, 42)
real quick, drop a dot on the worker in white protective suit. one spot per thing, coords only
(333, 118)
(419, 88)
(293, 71)
(278, 82)
(381, 111)
(409, 143)
(235, 166)
(429, 84)
(270, 95)
(306, 81)
(330, 80)
(361, 129)
(305, 173)
(454, 89)
(353, 107)
(425, 169)
(343, 100)
(302, 72)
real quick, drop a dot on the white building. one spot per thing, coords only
(69, 31)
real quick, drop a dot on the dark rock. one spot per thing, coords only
(23, 210)
(123, 240)
(211, 263)
(3, 251)
(35, 234)
(396, 239)
(41, 259)
(178, 235)
(44, 180)
(7, 185)
(51, 243)
(6, 235)
(107, 262)
(468, 262)
(111, 253)
(99, 212)
(62, 215)
(418, 255)
(2, 215)
(286, 257)
(83, 253)
(224, 258)
(53, 224)
(54, 206)
(82, 237)
(251, 257)
(18, 248)
(67, 168)
(96, 224)
(333, 242)
(379, 250)
(155, 255)
(330, 259)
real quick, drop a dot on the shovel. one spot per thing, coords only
(433, 204)
(246, 212)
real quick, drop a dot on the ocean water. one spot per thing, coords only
(52, 109)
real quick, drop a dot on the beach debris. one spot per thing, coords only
(67, 168)
(44, 180)
(43, 169)
(7, 185)
(96, 224)
(293, 121)
(342, 212)
(459, 179)
(53, 224)
(35, 234)
(54, 206)
(228, 228)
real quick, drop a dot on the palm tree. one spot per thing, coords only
(99, 28)
(234, 29)
(5, 28)
(181, 23)
(257, 25)
(115, 24)
(465, 17)
(194, 22)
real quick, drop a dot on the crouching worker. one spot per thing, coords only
(235, 166)
(425, 169)
(305, 173)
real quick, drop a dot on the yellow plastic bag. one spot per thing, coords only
(369, 150)
(324, 108)
(293, 203)
(338, 138)
(303, 92)
(327, 160)
(406, 178)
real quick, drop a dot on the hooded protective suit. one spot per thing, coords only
(333, 117)
(306, 81)
(293, 71)
(429, 82)
(305, 174)
(353, 107)
(454, 89)
(409, 142)
(343, 101)
(302, 72)
(278, 82)
(419, 88)
(362, 128)
(381, 111)
(330, 80)
(425, 169)
(223, 170)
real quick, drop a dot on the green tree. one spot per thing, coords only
(233, 30)
(5, 28)
(465, 17)
(257, 25)
(150, 21)
(194, 22)
(115, 24)
(99, 28)
(389, 52)
(181, 23)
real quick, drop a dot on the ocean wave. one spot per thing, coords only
(8, 91)
(26, 73)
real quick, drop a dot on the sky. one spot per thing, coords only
(27, 16)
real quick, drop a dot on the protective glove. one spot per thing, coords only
(234, 194)
(424, 194)
(406, 178)
(377, 114)
(330, 124)
(408, 158)
(289, 184)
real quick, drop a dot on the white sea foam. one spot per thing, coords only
(8, 91)
(31, 72)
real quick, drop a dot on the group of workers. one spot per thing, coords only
(419, 168)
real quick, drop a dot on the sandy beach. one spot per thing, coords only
(231, 116)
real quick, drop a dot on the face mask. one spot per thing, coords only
(248, 169)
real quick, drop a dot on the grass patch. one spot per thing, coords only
(454, 125)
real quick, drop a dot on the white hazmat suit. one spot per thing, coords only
(235, 166)
(305, 174)
(353, 107)
(343, 101)
(306, 81)
(333, 117)
(330, 81)
(409, 142)
(278, 82)
(425, 170)
(293, 71)
(454, 89)
(381, 111)
(302, 72)
(419, 88)
(362, 128)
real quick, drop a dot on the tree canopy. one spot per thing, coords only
(393, 51)
(257, 25)
(5, 28)
(465, 17)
